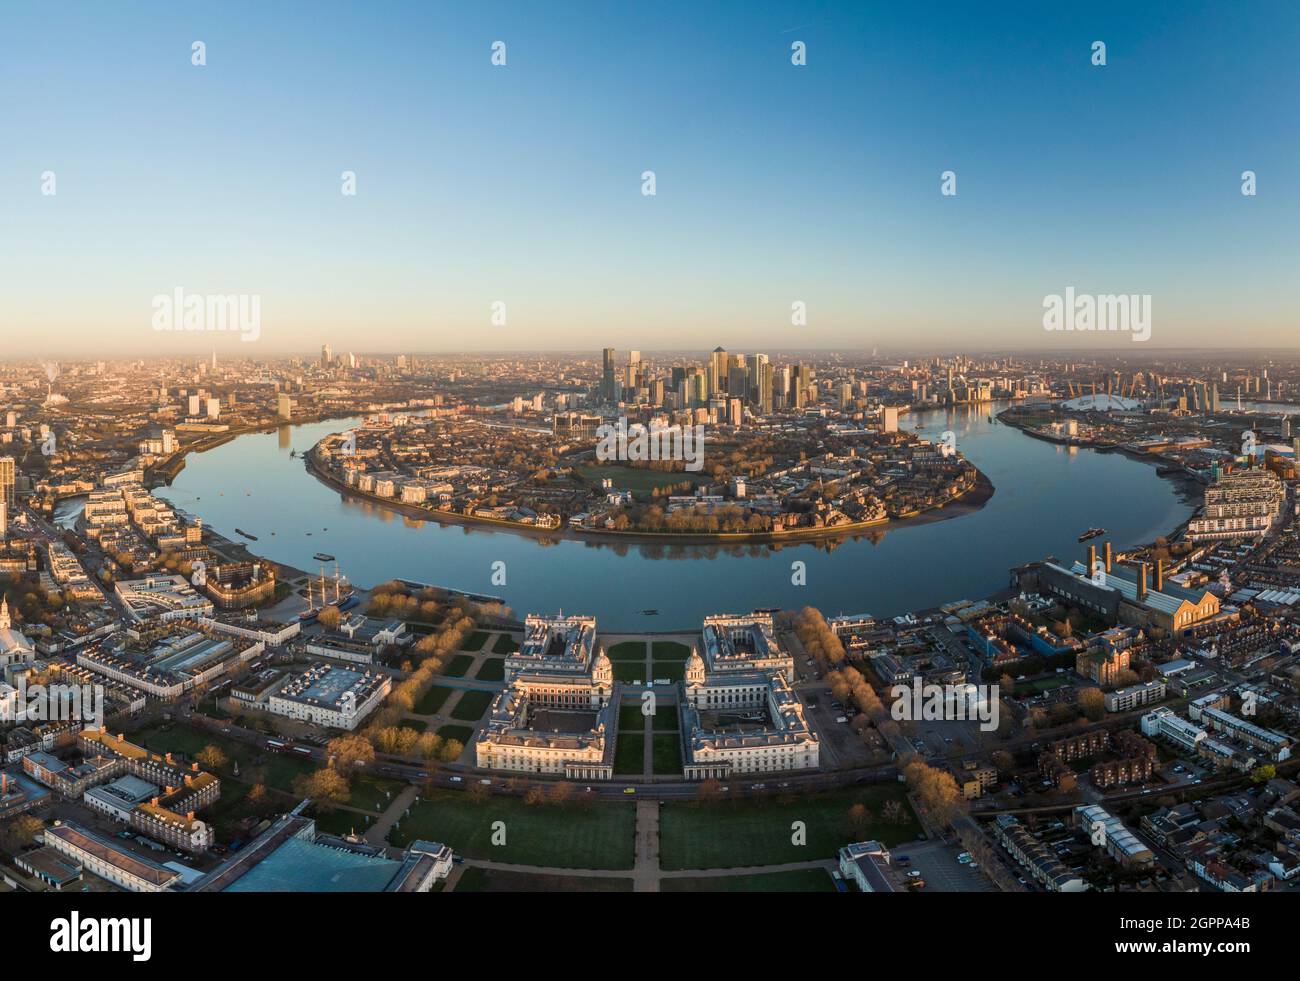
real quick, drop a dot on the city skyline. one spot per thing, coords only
(521, 184)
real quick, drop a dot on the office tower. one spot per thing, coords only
(764, 397)
(633, 357)
(718, 366)
(11, 418)
(326, 356)
(608, 381)
(735, 411)
(4, 521)
(8, 475)
(284, 406)
(737, 380)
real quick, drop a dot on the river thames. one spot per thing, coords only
(1045, 496)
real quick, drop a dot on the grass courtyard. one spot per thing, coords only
(475, 641)
(740, 833)
(601, 836)
(629, 755)
(492, 669)
(669, 650)
(506, 644)
(457, 666)
(666, 753)
(628, 650)
(472, 705)
(432, 701)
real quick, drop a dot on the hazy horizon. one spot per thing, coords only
(521, 184)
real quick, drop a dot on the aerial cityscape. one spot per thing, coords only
(374, 551)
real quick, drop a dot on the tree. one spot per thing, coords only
(21, 832)
(350, 751)
(1092, 703)
(330, 618)
(212, 757)
(326, 787)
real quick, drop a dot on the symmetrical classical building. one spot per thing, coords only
(739, 713)
(558, 711)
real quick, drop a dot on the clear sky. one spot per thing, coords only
(522, 184)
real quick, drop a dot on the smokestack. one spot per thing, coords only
(1092, 558)
(1108, 554)
(1142, 581)
(1160, 575)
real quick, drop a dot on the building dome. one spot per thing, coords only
(695, 669)
(602, 672)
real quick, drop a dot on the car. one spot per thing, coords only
(840, 718)
(914, 874)
(486, 782)
(759, 786)
(457, 779)
(629, 790)
(973, 865)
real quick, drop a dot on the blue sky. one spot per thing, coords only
(522, 184)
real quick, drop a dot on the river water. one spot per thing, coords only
(1046, 495)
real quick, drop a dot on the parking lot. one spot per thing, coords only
(938, 865)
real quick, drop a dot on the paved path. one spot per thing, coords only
(645, 873)
(395, 811)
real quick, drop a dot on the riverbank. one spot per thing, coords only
(967, 503)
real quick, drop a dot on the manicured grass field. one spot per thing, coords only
(665, 719)
(628, 650)
(745, 832)
(460, 733)
(630, 719)
(340, 821)
(368, 792)
(629, 671)
(669, 650)
(432, 700)
(491, 880)
(505, 644)
(457, 666)
(672, 670)
(417, 724)
(666, 753)
(799, 880)
(629, 755)
(599, 837)
(493, 669)
(638, 480)
(475, 641)
(472, 705)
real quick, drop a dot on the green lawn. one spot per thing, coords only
(340, 821)
(457, 666)
(472, 705)
(665, 718)
(672, 670)
(629, 650)
(368, 793)
(460, 733)
(432, 700)
(638, 480)
(666, 753)
(505, 644)
(629, 755)
(630, 719)
(629, 671)
(800, 880)
(669, 650)
(491, 880)
(601, 836)
(744, 832)
(493, 669)
(418, 725)
(475, 641)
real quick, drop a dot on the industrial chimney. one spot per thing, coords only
(1142, 581)
(1108, 555)
(1160, 575)
(1092, 559)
